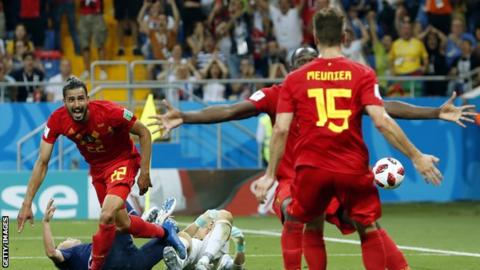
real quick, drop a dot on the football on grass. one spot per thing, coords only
(389, 173)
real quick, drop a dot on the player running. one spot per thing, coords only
(101, 130)
(71, 254)
(265, 101)
(327, 98)
(207, 242)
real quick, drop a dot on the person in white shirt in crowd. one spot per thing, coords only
(54, 91)
(215, 69)
(287, 23)
(352, 47)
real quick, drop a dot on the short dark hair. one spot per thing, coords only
(27, 54)
(328, 25)
(74, 83)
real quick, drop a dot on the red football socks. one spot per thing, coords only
(314, 249)
(395, 258)
(142, 229)
(373, 251)
(102, 242)
(292, 245)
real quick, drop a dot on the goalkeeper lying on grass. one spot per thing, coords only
(72, 254)
(207, 244)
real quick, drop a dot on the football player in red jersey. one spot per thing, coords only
(265, 101)
(327, 98)
(101, 130)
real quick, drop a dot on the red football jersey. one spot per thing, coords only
(328, 97)
(103, 140)
(266, 100)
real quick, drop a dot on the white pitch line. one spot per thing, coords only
(356, 242)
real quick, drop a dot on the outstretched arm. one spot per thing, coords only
(48, 242)
(447, 111)
(212, 114)
(38, 175)
(425, 164)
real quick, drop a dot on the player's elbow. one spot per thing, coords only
(50, 253)
(382, 122)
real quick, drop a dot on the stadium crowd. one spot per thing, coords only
(215, 39)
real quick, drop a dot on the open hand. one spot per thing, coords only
(171, 119)
(425, 165)
(452, 113)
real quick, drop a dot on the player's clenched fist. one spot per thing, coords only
(144, 182)
(261, 187)
(25, 213)
(425, 165)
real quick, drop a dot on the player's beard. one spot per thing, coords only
(78, 114)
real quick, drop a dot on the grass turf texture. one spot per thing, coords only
(453, 227)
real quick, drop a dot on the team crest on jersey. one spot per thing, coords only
(257, 95)
(46, 131)
(127, 114)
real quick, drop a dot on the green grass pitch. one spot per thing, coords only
(448, 227)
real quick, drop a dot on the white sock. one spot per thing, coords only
(218, 237)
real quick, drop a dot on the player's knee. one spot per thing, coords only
(364, 229)
(225, 215)
(283, 208)
(107, 217)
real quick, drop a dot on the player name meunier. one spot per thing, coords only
(344, 75)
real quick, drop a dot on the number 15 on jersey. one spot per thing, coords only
(326, 108)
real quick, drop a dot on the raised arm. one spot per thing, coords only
(176, 13)
(447, 111)
(38, 175)
(425, 164)
(48, 243)
(145, 139)
(212, 114)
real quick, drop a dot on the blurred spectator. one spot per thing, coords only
(476, 51)
(182, 72)
(191, 13)
(436, 43)
(311, 7)
(463, 66)
(214, 91)
(240, 27)
(67, 8)
(161, 38)
(386, 19)
(33, 16)
(7, 93)
(2, 22)
(408, 55)
(195, 40)
(16, 60)
(20, 34)
(455, 38)
(439, 14)
(262, 29)
(55, 91)
(241, 91)
(176, 59)
(352, 47)
(126, 12)
(277, 71)
(381, 49)
(287, 24)
(275, 54)
(91, 24)
(29, 74)
(207, 53)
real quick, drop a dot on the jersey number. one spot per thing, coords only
(326, 107)
(119, 174)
